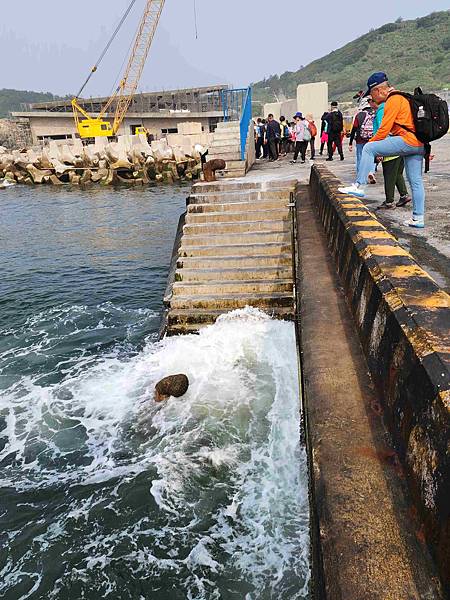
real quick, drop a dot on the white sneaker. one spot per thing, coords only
(417, 222)
(353, 190)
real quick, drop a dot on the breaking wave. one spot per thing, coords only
(107, 494)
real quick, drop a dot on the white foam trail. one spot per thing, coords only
(225, 476)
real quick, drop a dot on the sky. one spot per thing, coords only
(51, 44)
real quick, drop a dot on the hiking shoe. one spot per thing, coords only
(353, 190)
(403, 201)
(417, 222)
(385, 205)
(371, 178)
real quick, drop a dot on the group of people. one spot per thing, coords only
(383, 131)
(273, 138)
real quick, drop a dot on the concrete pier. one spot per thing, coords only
(374, 343)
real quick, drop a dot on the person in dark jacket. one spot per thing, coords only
(265, 146)
(259, 137)
(323, 132)
(335, 121)
(273, 135)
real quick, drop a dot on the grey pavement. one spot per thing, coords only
(430, 246)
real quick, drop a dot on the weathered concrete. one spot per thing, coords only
(313, 98)
(363, 522)
(403, 319)
(429, 246)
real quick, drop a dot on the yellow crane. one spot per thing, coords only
(89, 127)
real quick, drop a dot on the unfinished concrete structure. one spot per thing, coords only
(159, 112)
(313, 98)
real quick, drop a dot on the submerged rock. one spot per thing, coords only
(173, 385)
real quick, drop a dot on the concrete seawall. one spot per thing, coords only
(403, 320)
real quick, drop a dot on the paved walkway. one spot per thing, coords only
(431, 246)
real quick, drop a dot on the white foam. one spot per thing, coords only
(226, 473)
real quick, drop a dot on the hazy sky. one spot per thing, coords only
(49, 45)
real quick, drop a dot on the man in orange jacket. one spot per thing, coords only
(395, 137)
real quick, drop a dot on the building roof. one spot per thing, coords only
(201, 99)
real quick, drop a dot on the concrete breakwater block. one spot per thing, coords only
(403, 320)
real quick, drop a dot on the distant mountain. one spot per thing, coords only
(411, 52)
(11, 100)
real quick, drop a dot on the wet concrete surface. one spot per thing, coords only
(431, 246)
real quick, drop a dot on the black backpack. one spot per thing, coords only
(336, 121)
(430, 116)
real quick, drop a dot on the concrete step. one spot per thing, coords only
(202, 317)
(235, 165)
(228, 125)
(224, 146)
(242, 274)
(230, 137)
(215, 187)
(252, 205)
(233, 301)
(283, 196)
(212, 288)
(235, 227)
(232, 262)
(226, 239)
(233, 157)
(281, 213)
(273, 249)
(231, 174)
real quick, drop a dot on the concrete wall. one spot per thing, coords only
(313, 98)
(402, 317)
(288, 108)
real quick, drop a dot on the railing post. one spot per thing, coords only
(245, 120)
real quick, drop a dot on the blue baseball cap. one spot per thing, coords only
(374, 80)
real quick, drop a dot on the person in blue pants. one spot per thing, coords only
(395, 137)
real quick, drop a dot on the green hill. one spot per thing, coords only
(11, 100)
(411, 52)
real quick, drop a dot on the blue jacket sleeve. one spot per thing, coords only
(378, 118)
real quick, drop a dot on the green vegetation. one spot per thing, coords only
(411, 52)
(11, 100)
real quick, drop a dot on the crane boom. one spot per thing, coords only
(138, 57)
(92, 127)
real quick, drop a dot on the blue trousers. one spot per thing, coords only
(359, 150)
(413, 155)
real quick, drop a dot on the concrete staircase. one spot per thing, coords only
(226, 144)
(235, 251)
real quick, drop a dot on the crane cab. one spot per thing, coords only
(91, 128)
(141, 131)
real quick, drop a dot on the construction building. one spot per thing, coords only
(159, 112)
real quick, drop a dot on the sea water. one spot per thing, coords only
(103, 493)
